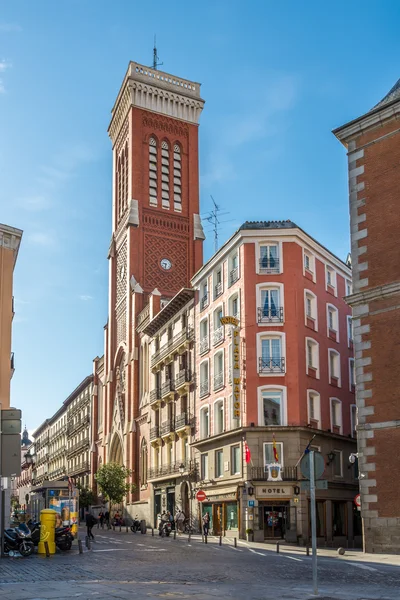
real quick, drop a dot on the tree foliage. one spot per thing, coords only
(111, 479)
(86, 496)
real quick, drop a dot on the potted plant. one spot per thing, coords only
(250, 535)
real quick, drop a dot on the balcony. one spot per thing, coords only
(172, 469)
(204, 388)
(155, 437)
(168, 429)
(78, 447)
(179, 343)
(218, 336)
(168, 390)
(204, 345)
(82, 467)
(271, 365)
(56, 473)
(288, 474)
(204, 302)
(217, 289)
(233, 276)
(184, 423)
(12, 365)
(62, 430)
(218, 381)
(270, 315)
(74, 427)
(268, 265)
(155, 398)
(183, 381)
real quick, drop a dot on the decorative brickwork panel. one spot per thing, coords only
(167, 125)
(176, 251)
(121, 272)
(177, 226)
(121, 322)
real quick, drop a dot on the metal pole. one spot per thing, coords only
(313, 524)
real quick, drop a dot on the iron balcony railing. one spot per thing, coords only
(81, 467)
(270, 315)
(167, 387)
(261, 474)
(155, 395)
(171, 344)
(190, 467)
(154, 432)
(218, 289)
(271, 365)
(167, 427)
(184, 376)
(218, 381)
(185, 419)
(269, 265)
(204, 388)
(218, 335)
(234, 275)
(204, 302)
(76, 448)
(78, 425)
(204, 345)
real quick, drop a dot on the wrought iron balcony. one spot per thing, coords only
(204, 388)
(260, 474)
(190, 466)
(73, 427)
(217, 289)
(271, 365)
(204, 345)
(268, 265)
(172, 344)
(155, 396)
(183, 420)
(184, 377)
(154, 433)
(167, 427)
(233, 275)
(218, 381)
(83, 467)
(167, 388)
(204, 302)
(270, 315)
(218, 335)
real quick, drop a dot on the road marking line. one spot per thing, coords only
(110, 550)
(361, 566)
(255, 552)
(293, 558)
(237, 549)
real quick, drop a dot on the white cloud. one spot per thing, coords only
(4, 65)
(85, 297)
(40, 238)
(10, 27)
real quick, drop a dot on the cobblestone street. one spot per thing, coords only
(123, 565)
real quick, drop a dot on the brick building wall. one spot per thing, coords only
(373, 143)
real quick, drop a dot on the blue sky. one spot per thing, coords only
(276, 77)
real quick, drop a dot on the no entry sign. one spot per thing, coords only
(357, 500)
(201, 496)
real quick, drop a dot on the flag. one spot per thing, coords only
(247, 453)
(276, 457)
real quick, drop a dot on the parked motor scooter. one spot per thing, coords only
(18, 540)
(135, 525)
(63, 536)
(165, 528)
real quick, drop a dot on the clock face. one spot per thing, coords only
(165, 264)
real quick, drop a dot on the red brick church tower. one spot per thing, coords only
(157, 237)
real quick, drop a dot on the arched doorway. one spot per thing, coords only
(185, 499)
(116, 452)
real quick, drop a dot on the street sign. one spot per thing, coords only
(11, 414)
(201, 496)
(320, 484)
(251, 503)
(319, 465)
(357, 501)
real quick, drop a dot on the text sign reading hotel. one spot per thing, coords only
(235, 362)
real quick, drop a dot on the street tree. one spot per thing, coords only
(86, 496)
(111, 479)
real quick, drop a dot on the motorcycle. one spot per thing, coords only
(63, 536)
(165, 528)
(18, 540)
(135, 525)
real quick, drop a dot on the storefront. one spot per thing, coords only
(274, 513)
(222, 506)
(164, 500)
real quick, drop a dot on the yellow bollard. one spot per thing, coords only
(47, 530)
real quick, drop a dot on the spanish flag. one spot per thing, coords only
(276, 457)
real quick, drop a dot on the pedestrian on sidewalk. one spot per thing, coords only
(101, 519)
(107, 518)
(206, 523)
(90, 523)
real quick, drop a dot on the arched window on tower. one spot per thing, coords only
(124, 179)
(143, 463)
(165, 174)
(119, 187)
(153, 171)
(177, 178)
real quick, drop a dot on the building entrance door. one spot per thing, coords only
(157, 505)
(275, 521)
(217, 519)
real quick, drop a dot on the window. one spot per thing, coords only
(353, 420)
(270, 309)
(334, 368)
(349, 288)
(204, 379)
(204, 466)
(352, 375)
(233, 269)
(219, 417)
(204, 422)
(272, 409)
(336, 415)
(153, 171)
(204, 342)
(311, 313)
(218, 283)
(338, 464)
(204, 298)
(218, 328)
(314, 409)
(219, 463)
(234, 306)
(309, 265)
(177, 178)
(349, 331)
(332, 318)
(307, 261)
(165, 174)
(269, 454)
(312, 357)
(143, 463)
(218, 370)
(122, 182)
(271, 359)
(269, 259)
(235, 460)
(330, 280)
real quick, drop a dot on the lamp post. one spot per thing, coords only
(30, 459)
(182, 471)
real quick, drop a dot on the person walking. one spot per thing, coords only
(179, 520)
(90, 523)
(101, 519)
(206, 523)
(107, 518)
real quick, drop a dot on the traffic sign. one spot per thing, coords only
(201, 496)
(319, 465)
(251, 503)
(320, 484)
(357, 500)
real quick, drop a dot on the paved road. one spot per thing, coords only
(126, 565)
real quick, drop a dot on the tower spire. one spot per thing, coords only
(155, 56)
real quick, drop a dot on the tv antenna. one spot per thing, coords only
(156, 58)
(213, 218)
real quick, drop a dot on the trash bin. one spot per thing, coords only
(143, 527)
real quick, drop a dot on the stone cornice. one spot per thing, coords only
(374, 118)
(10, 238)
(376, 293)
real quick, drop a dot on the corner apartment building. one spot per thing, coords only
(167, 469)
(10, 239)
(292, 378)
(373, 146)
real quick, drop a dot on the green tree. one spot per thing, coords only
(111, 479)
(86, 496)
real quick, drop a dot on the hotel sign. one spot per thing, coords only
(235, 362)
(273, 491)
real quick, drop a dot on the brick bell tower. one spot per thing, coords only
(157, 237)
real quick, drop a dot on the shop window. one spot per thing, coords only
(231, 516)
(235, 460)
(269, 454)
(339, 518)
(219, 463)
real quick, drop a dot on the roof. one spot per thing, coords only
(391, 96)
(174, 305)
(268, 225)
